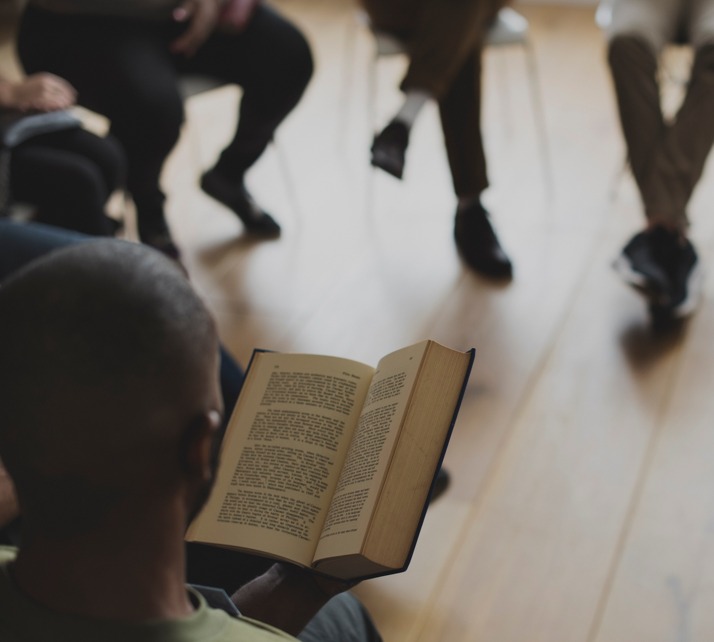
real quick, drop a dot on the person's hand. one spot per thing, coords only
(236, 14)
(202, 17)
(287, 596)
(42, 92)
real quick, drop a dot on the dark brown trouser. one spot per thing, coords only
(445, 39)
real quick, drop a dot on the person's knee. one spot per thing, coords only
(162, 118)
(150, 121)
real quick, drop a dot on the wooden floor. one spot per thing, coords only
(582, 498)
(582, 502)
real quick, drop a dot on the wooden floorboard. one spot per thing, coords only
(579, 507)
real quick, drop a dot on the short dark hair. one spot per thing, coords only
(102, 346)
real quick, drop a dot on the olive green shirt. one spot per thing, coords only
(23, 620)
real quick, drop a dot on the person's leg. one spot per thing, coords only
(685, 145)
(272, 63)
(666, 162)
(343, 618)
(441, 38)
(639, 31)
(634, 63)
(67, 188)
(460, 111)
(446, 35)
(123, 70)
(21, 243)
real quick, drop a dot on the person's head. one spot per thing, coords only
(108, 387)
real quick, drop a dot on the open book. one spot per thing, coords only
(328, 463)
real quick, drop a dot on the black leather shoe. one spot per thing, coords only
(441, 483)
(389, 148)
(478, 244)
(237, 198)
(155, 233)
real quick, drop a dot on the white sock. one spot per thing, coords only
(413, 102)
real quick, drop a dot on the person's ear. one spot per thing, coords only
(197, 444)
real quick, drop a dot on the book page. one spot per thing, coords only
(370, 452)
(282, 454)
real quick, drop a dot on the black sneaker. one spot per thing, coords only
(643, 262)
(389, 148)
(478, 244)
(236, 197)
(686, 277)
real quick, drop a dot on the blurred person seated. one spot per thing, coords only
(107, 487)
(445, 40)
(667, 157)
(66, 175)
(126, 57)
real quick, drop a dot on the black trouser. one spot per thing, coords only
(68, 175)
(122, 68)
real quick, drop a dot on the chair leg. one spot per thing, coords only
(539, 117)
(372, 116)
(618, 178)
